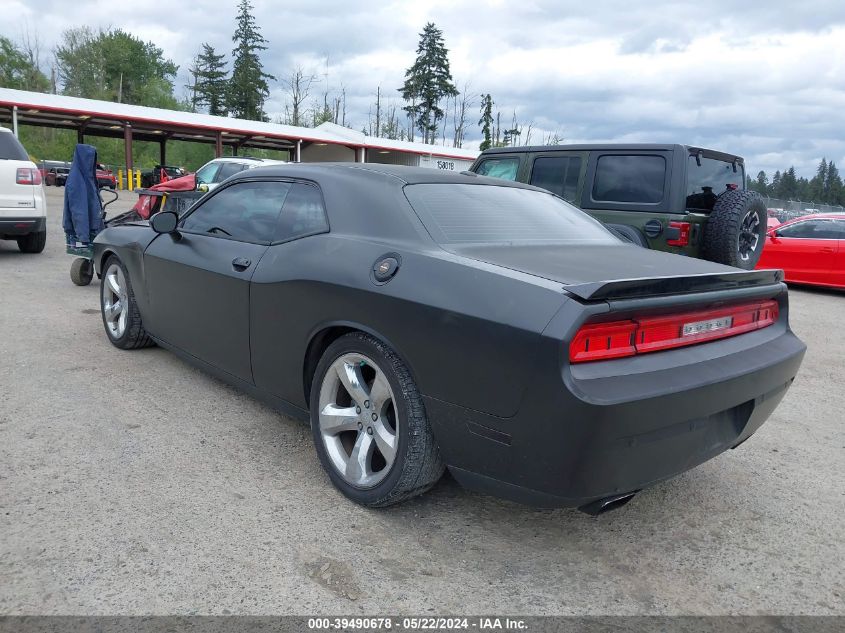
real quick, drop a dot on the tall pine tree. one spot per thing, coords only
(486, 121)
(427, 83)
(210, 84)
(248, 86)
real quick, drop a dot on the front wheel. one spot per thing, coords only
(369, 424)
(121, 317)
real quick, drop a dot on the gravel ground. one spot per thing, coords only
(131, 483)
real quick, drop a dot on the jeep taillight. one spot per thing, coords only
(678, 233)
(640, 335)
(28, 176)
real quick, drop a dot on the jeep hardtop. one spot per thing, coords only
(676, 198)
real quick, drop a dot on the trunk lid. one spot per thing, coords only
(617, 271)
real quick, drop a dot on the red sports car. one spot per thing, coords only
(809, 249)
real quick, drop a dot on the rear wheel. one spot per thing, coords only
(121, 317)
(369, 424)
(33, 243)
(736, 230)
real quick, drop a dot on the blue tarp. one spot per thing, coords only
(82, 218)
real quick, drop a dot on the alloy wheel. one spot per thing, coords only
(749, 235)
(115, 301)
(358, 420)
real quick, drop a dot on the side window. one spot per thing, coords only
(839, 229)
(302, 214)
(811, 229)
(245, 211)
(636, 179)
(228, 169)
(207, 173)
(504, 168)
(558, 174)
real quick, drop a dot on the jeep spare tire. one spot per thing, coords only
(736, 231)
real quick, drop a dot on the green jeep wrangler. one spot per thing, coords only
(675, 198)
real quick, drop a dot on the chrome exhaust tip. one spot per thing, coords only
(607, 504)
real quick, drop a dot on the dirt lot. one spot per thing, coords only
(133, 483)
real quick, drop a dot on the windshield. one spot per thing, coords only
(505, 168)
(711, 178)
(463, 213)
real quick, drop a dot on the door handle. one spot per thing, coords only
(240, 263)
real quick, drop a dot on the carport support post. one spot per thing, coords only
(80, 136)
(15, 120)
(162, 152)
(218, 145)
(297, 156)
(127, 149)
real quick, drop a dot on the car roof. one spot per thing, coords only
(818, 216)
(397, 174)
(586, 147)
(5, 129)
(367, 200)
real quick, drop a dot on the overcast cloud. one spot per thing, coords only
(764, 80)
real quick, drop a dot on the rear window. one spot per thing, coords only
(707, 181)
(504, 168)
(11, 148)
(462, 213)
(633, 179)
(558, 174)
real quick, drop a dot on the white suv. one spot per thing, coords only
(23, 207)
(216, 171)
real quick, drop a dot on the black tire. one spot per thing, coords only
(736, 230)
(417, 465)
(81, 271)
(134, 335)
(33, 243)
(629, 234)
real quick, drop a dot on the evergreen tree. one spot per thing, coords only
(775, 187)
(761, 185)
(248, 87)
(486, 121)
(788, 185)
(835, 191)
(210, 84)
(427, 82)
(818, 186)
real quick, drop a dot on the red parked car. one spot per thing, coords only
(105, 177)
(809, 249)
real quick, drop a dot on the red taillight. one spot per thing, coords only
(618, 339)
(683, 229)
(28, 176)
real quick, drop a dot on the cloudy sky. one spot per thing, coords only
(764, 80)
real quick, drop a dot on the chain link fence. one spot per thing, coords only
(785, 210)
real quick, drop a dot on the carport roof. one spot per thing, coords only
(106, 118)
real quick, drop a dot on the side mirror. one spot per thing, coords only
(202, 187)
(164, 222)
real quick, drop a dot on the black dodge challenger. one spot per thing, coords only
(425, 320)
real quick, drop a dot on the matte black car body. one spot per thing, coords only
(483, 330)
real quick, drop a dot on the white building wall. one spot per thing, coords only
(327, 154)
(446, 164)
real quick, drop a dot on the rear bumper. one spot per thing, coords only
(616, 427)
(15, 227)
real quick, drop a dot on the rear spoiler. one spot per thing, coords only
(673, 285)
